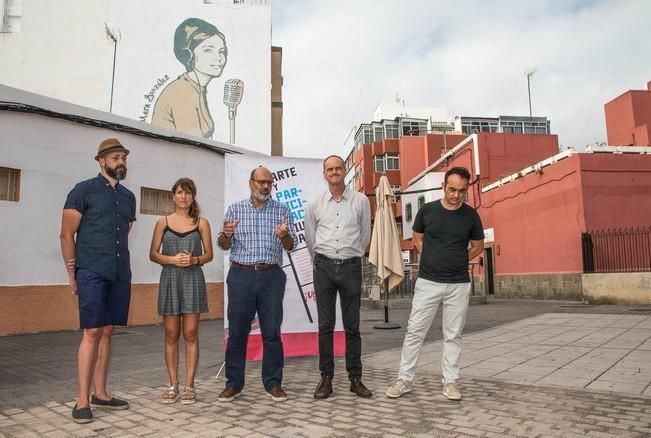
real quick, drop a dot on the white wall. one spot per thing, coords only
(428, 181)
(53, 155)
(146, 54)
(62, 51)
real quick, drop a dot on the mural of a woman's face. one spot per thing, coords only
(210, 56)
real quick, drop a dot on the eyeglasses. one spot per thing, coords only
(264, 182)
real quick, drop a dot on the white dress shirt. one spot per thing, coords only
(338, 229)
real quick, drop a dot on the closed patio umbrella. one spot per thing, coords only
(384, 251)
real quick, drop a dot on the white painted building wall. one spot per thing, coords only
(62, 51)
(54, 154)
(428, 181)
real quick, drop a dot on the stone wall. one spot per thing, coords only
(540, 286)
(618, 288)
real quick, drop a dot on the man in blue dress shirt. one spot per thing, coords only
(97, 217)
(256, 230)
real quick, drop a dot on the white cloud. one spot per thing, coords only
(341, 58)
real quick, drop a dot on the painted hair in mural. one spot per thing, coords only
(182, 106)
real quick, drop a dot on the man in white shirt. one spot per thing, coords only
(337, 232)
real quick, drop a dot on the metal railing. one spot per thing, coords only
(405, 289)
(617, 250)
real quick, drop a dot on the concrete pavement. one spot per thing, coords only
(529, 369)
(596, 352)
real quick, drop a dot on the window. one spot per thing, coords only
(155, 201)
(378, 161)
(368, 134)
(378, 133)
(358, 175)
(413, 127)
(392, 161)
(391, 130)
(9, 184)
(364, 135)
(348, 164)
(396, 192)
(473, 126)
(421, 202)
(535, 127)
(408, 213)
(11, 12)
(358, 143)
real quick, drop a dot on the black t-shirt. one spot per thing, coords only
(445, 241)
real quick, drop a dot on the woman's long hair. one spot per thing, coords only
(188, 185)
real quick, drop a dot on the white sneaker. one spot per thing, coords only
(399, 388)
(451, 392)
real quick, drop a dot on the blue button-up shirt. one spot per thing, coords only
(102, 244)
(255, 239)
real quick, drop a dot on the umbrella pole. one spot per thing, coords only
(386, 324)
(386, 301)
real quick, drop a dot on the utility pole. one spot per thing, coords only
(115, 37)
(528, 74)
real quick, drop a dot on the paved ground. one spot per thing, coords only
(37, 382)
(597, 352)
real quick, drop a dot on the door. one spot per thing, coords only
(489, 271)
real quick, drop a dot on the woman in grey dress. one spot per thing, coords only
(182, 244)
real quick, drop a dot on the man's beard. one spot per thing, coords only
(259, 196)
(118, 173)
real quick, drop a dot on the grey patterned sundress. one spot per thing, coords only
(182, 290)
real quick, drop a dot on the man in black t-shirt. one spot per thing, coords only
(443, 231)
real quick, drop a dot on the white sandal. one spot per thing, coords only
(189, 395)
(170, 395)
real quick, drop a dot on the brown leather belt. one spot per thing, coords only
(254, 267)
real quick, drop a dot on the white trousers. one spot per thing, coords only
(427, 297)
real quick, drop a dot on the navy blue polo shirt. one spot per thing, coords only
(102, 244)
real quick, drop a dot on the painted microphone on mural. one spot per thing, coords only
(182, 105)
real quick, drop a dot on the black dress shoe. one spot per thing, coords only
(324, 389)
(358, 388)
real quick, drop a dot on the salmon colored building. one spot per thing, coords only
(543, 210)
(628, 118)
(538, 215)
(409, 156)
(401, 159)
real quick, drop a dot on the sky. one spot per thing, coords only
(343, 57)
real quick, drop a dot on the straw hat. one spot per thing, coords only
(110, 145)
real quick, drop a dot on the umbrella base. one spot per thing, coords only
(386, 325)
